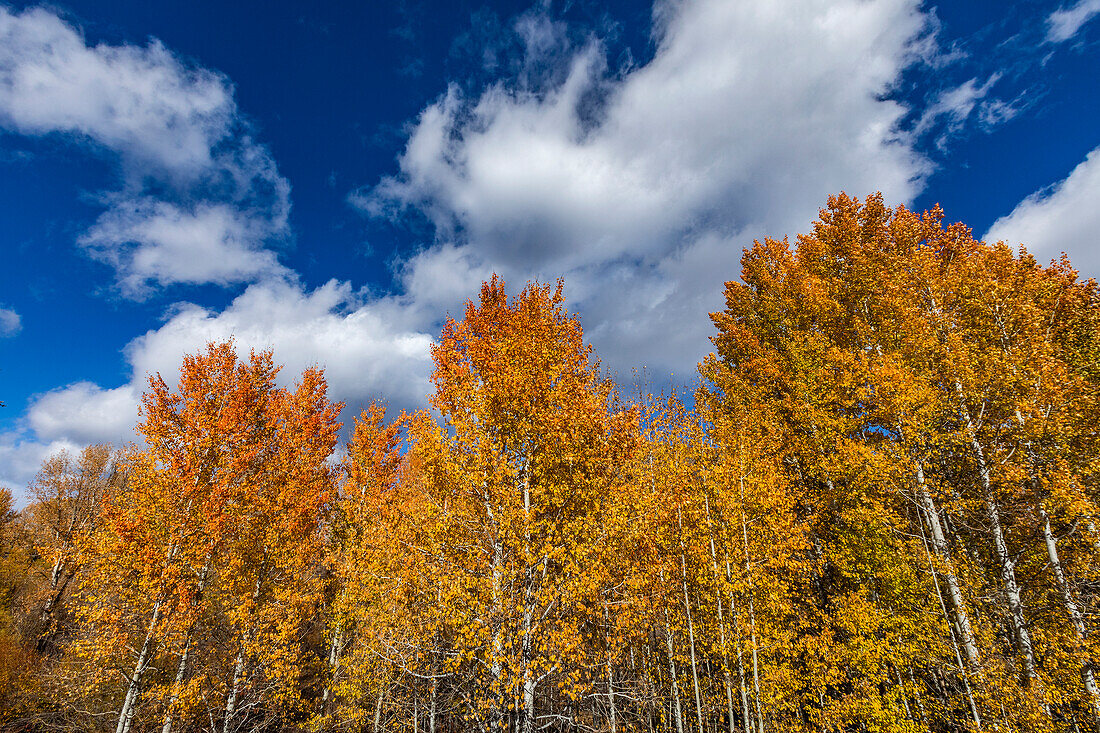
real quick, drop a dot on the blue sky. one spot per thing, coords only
(331, 180)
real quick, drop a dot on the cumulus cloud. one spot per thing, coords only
(642, 185)
(10, 322)
(1064, 23)
(1061, 218)
(174, 129)
(20, 460)
(84, 413)
(151, 241)
(370, 348)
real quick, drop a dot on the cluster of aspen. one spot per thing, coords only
(878, 512)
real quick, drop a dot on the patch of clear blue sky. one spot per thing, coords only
(330, 86)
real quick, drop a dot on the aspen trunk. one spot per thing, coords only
(496, 667)
(745, 710)
(917, 696)
(238, 667)
(181, 670)
(528, 676)
(954, 643)
(612, 712)
(1088, 676)
(752, 613)
(431, 706)
(528, 614)
(1007, 567)
(378, 710)
(1094, 534)
(740, 658)
(755, 665)
(128, 704)
(334, 664)
(231, 700)
(721, 625)
(691, 628)
(126, 715)
(678, 716)
(57, 588)
(55, 578)
(58, 585)
(939, 543)
(904, 697)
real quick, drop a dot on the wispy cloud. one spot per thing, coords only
(1064, 23)
(185, 154)
(952, 108)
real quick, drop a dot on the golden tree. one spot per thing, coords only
(213, 537)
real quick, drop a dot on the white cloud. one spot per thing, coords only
(954, 106)
(151, 241)
(370, 349)
(10, 322)
(20, 460)
(642, 186)
(142, 102)
(84, 413)
(1064, 23)
(367, 348)
(174, 128)
(1061, 218)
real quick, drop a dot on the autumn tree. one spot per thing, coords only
(213, 539)
(878, 512)
(20, 665)
(501, 513)
(917, 373)
(67, 495)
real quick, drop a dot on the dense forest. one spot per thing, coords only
(878, 512)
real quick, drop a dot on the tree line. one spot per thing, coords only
(877, 512)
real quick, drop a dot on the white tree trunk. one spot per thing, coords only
(334, 664)
(134, 688)
(378, 711)
(678, 716)
(691, 627)
(431, 706)
(721, 625)
(1007, 567)
(752, 612)
(612, 712)
(954, 643)
(496, 666)
(181, 670)
(1088, 676)
(527, 649)
(939, 543)
(238, 667)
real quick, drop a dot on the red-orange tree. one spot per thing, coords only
(212, 538)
